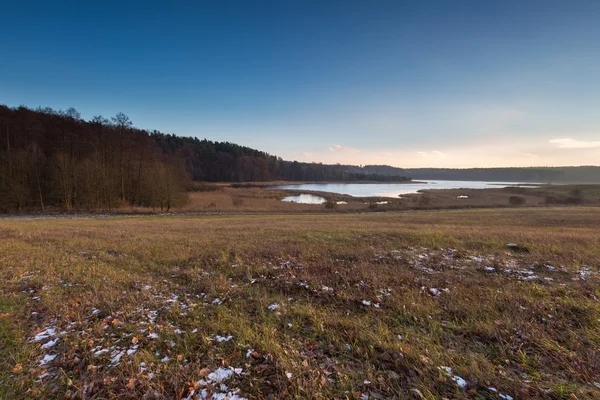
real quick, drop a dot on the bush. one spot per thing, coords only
(330, 204)
(372, 206)
(237, 201)
(516, 200)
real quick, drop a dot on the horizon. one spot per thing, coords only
(437, 85)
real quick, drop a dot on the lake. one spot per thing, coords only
(394, 189)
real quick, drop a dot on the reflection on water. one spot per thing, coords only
(305, 199)
(392, 189)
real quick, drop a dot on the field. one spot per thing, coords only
(414, 304)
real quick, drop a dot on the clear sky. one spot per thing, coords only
(405, 83)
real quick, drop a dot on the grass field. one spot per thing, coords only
(424, 305)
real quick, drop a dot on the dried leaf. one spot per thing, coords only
(131, 384)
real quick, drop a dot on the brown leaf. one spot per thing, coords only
(134, 340)
(131, 384)
(204, 372)
(17, 369)
(179, 357)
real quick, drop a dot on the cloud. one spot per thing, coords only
(570, 143)
(341, 149)
(307, 154)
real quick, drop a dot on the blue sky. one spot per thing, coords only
(431, 83)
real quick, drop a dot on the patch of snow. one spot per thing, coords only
(100, 352)
(220, 374)
(50, 344)
(366, 302)
(45, 334)
(47, 358)
(116, 357)
(460, 382)
(132, 350)
(220, 339)
(273, 307)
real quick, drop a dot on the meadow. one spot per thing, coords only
(413, 304)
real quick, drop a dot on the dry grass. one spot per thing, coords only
(258, 199)
(367, 305)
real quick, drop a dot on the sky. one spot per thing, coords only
(405, 83)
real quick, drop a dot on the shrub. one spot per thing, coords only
(516, 200)
(330, 204)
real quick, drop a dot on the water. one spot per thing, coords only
(390, 189)
(305, 199)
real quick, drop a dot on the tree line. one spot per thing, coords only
(581, 174)
(210, 161)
